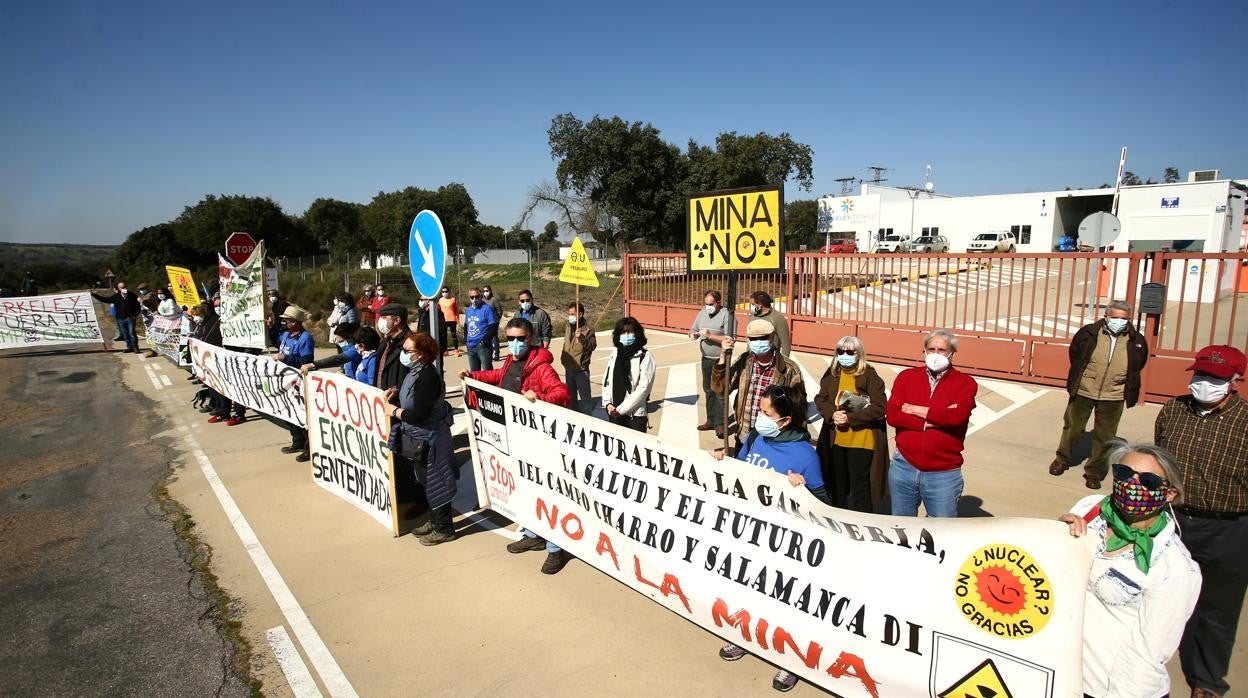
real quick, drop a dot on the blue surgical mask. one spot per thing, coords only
(760, 346)
(766, 426)
(847, 360)
(406, 359)
(1116, 324)
(517, 347)
(627, 340)
(344, 345)
(526, 306)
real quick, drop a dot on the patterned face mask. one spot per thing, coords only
(1136, 501)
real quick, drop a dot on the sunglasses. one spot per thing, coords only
(513, 337)
(473, 298)
(847, 352)
(1152, 481)
(778, 397)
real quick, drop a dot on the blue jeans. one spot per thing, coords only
(939, 491)
(550, 547)
(125, 326)
(578, 390)
(494, 342)
(479, 357)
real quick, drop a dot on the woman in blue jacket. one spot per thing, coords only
(365, 368)
(780, 441)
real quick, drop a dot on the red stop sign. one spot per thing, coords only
(238, 247)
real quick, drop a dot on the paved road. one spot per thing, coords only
(96, 597)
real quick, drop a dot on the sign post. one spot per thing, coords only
(1099, 229)
(426, 254)
(578, 270)
(732, 230)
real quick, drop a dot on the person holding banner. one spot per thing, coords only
(207, 328)
(780, 441)
(853, 441)
(167, 307)
(366, 342)
(421, 435)
(348, 357)
(392, 326)
(762, 366)
(276, 319)
(630, 376)
(295, 348)
(126, 310)
(1143, 584)
(528, 370)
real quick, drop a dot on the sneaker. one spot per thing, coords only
(215, 418)
(235, 421)
(423, 530)
(526, 544)
(291, 449)
(555, 562)
(784, 681)
(731, 653)
(303, 457)
(436, 538)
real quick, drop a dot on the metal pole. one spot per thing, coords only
(732, 308)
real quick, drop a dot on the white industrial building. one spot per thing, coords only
(1204, 214)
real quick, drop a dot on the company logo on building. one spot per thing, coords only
(1167, 202)
(847, 205)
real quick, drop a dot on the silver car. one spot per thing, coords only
(930, 243)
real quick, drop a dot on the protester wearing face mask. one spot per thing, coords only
(1143, 583)
(448, 304)
(1207, 433)
(381, 298)
(364, 307)
(366, 342)
(1106, 359)
(539, 318)
(528, 370)
(295, 348)
(930, 408)
(392, 326)
(712, 325)
(629, 377)
(343, 313)
(348, 357)
(126, 310)
(751, 373)
(277, 306)
(760, 306)
(487, 295)
(166, 306)
(478, 317)
(206, 327)
(421, 435)
(853, 441)
(579, 343)
(780, 442)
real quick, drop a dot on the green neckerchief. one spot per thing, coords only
(1121, 534)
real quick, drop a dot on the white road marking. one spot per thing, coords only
(151, 375)
(165, 379)
(297, 675)
(326, 666)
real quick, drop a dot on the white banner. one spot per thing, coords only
(348, 427)
(860, 604)
(242, 301)
(164, 335)
(260, 382)
(58, 318)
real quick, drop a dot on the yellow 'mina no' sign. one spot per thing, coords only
(736, 229)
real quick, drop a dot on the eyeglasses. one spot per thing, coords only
(524, 300)
(847, 352)
(1152, 481)
(473, 298)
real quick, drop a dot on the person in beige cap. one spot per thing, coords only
(294, 348)
(751, 374)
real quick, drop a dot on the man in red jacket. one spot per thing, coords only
(529, 370)
(930, 408)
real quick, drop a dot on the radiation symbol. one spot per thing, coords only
(701, 249)
(984, 681)
(766, 246)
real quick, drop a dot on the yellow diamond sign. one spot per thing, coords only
(736, 229)
(576, 268)
(984, 681)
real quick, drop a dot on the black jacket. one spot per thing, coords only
(123, 306)
(1084, 343)
(391, 373)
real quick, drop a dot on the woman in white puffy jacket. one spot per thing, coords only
(629, 377)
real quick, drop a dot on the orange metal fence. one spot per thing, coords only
(1015, 313)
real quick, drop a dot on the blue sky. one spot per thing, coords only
(119, 114)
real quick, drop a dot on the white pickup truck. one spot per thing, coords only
(894, 243)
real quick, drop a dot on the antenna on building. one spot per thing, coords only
(876, 171)
(927, 180)
(847, 185)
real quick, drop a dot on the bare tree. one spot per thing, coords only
(579, 213)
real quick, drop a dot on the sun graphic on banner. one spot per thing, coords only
(1001, 590)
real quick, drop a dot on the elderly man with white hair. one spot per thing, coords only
(930, 408)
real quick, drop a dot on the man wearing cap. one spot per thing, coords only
(753, 372)
(294, 348)
(1207, 433)
(1106, 358)
(760, 306)
(392, 326)
(364, 306)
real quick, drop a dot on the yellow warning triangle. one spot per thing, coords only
(577, 268)
(984, 681)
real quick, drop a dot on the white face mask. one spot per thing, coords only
(383, 326)
(1208, 390)
(710, 308)
(571, 319)
(936, 362)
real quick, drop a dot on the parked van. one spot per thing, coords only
(1000, 241)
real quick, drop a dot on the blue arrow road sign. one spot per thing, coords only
(426, 253)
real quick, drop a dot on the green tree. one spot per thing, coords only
(203, 228)
(387, 219)
(1171, 175)
(548, 241)
(801, 224)
(336, 225)
(145, 253)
